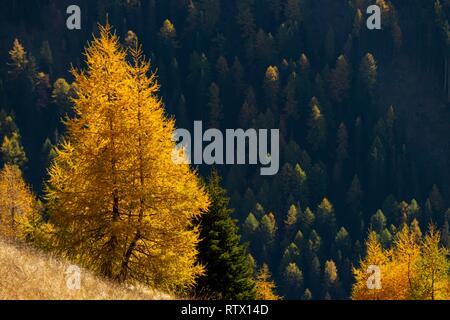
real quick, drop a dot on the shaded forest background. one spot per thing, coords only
(364, 115)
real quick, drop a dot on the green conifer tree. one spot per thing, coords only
(228, 273)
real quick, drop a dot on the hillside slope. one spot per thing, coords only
(26, 274)
(419, 104)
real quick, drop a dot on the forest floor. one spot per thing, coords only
(27, 274)
(421, 107)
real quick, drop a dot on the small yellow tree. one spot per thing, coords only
(18, 56)
(412, 269)
(406, 254)
(118, 202)
(433, 269)
(265, 287)
(376, 257)
(17, 202)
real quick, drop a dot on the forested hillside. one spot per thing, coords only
(364, 118)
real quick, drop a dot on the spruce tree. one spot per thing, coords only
(228, 274)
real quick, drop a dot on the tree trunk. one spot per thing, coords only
(122, 277)
(110, 246)
(124, 267)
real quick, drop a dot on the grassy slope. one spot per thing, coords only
(26, 274)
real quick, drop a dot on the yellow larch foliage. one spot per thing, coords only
(433, 267)
(18, 56)
(376, 256)
(17, 202)
(119, 204)
(265, 287)
(272, 74)
(414, 268)
(168, 30)
(406, 256)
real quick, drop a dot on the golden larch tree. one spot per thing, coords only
(265, 287)
(406, 254)
(433, 269)
(375, 256)
(414, 268)
(119, 203)
(18, 57)
(17, 202)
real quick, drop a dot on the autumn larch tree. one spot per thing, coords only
(17, 202)
(268, 230)
(326, 219)
(119, 202)
(19, 58)
(290, 223)
(317, 130)
(272, 86)
(265, 286)
(414, 268)
(228, 274)
(375, 256)
(168, 34)
(292, 281)
(433, 269)
(406, 254)
(332, 286)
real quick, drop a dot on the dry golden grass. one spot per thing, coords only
(26, 274)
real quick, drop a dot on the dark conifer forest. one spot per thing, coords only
(364, 120)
